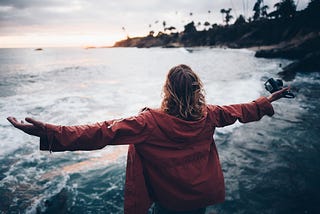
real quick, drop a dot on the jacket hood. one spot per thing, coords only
(177, 129)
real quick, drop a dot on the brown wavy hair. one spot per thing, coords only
(183, 94)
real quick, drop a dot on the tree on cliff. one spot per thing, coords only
(260, 10)
(257, 10)
(190, 28)
(190, 34)
(206, 24)
(284, 9)
(125, 31)
(287, 8)
(264, 12)
(227, 17)
(151, 33)
(170, 29)
(240, 20)
(164, 26)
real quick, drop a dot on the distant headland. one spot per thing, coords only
(282, 33)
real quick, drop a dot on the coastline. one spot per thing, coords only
(296, 38)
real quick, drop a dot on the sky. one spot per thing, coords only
(83, 23)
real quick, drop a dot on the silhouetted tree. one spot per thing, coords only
(190, 28)
(171, 28)
(257, 10)
(240, 20)
(206, 24)
(287, 8)
(227, 17)
(222, 11)
(275, 13)
(125, 31)
(264, 12)
(277, 5)
(164, 25)
(151, 33)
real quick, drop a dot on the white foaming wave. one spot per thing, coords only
(61, 176)
(24, 174)
(39, 201)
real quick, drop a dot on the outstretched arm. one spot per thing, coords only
(32, 127)
(131, 130)
(278, 94)
(246, 112)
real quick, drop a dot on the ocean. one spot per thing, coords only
(270, 166)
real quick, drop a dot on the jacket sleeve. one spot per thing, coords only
(131, 130)
(247, 112)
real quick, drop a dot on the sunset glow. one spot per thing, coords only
(58, 40)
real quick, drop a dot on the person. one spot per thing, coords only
(172, 157)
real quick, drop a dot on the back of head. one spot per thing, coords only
(183, 94)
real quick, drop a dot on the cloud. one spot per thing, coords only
(22, 4)
(15, 14)
(42, 12)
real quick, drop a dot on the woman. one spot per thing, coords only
(172, 157)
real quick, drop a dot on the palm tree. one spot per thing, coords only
(151, 33)
(222, 11)
(240, 20)
(257, 10)
(287, 8)
(164, 25)
(228, 16)
(264, 9)
(125, 31)
(171, 28)
(206, 24)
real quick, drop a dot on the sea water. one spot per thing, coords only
(270, 166)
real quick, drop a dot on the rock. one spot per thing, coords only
(310, 63)
(297, 48)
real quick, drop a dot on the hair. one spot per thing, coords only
(183, 94)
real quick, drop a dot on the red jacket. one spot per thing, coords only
(171, 161)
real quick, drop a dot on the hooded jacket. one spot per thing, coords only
(170, 161)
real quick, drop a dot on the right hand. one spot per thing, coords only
(33, 127)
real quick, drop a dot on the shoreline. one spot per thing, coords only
(295, 37)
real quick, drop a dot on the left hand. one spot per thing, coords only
(278, 94)
(33, 127)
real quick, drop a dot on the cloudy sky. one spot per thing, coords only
(44, 23)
